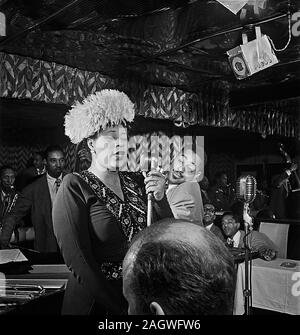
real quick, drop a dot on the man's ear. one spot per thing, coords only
(156, 309)
(238, 225)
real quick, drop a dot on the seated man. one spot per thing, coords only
(183, 193)
(178, 268)
(208, 221)
(257, 241)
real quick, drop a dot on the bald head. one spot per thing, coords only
(180, 266)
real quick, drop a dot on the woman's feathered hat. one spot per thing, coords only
(103, 109)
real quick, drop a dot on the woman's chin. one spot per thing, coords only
(120, 165)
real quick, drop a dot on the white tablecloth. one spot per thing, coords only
(274, 287)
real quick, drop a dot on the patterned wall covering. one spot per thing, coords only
(24, 77)
(142, 149)
(268, 118)
(19, 156)
(154, 148)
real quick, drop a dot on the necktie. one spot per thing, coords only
(57, 183)
(230, 242)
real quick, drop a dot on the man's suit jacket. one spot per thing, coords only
(257, 241)
(26, 177)
(217, 231)
(186, 202)
(35, 198)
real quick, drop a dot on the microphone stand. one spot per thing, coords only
(248, 228)
(149, 204)
(149, 208)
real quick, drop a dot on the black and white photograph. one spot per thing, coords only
(149, 164)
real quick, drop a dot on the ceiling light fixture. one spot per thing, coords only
(233, 5)
(252, 57)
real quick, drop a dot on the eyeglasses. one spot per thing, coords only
(210, 210)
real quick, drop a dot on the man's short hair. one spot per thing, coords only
(210, 204)
(182, 276)
(237, 218)
(5, 167)
(52, 148)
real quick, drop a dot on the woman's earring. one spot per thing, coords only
(93, 151)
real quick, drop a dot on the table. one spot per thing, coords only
(274, 287)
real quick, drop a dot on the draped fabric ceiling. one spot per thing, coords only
(169, 56)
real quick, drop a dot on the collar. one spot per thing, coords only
(209, 226)
(39, 171)
(171, 186)
(3, 194)
(236, 238)
(52, 179)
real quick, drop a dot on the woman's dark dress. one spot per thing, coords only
(94, 227)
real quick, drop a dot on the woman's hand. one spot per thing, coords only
(155, 182)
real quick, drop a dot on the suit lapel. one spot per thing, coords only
(46, 193)
(1, 206)
(45, 187)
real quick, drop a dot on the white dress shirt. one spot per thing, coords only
(236, 239)
(209, 226)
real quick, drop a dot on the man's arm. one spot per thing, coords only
(261, 243)
(21, 208)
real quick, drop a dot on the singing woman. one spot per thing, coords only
(97, 212)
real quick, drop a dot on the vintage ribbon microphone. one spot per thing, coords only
(246, 192)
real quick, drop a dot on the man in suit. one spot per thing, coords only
(37, 199)
(29, 174)
(176, 267)
(257, 241)
(208, 221)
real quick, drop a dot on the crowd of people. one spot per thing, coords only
(97, 220)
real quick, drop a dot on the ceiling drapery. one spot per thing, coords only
(27, 78)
